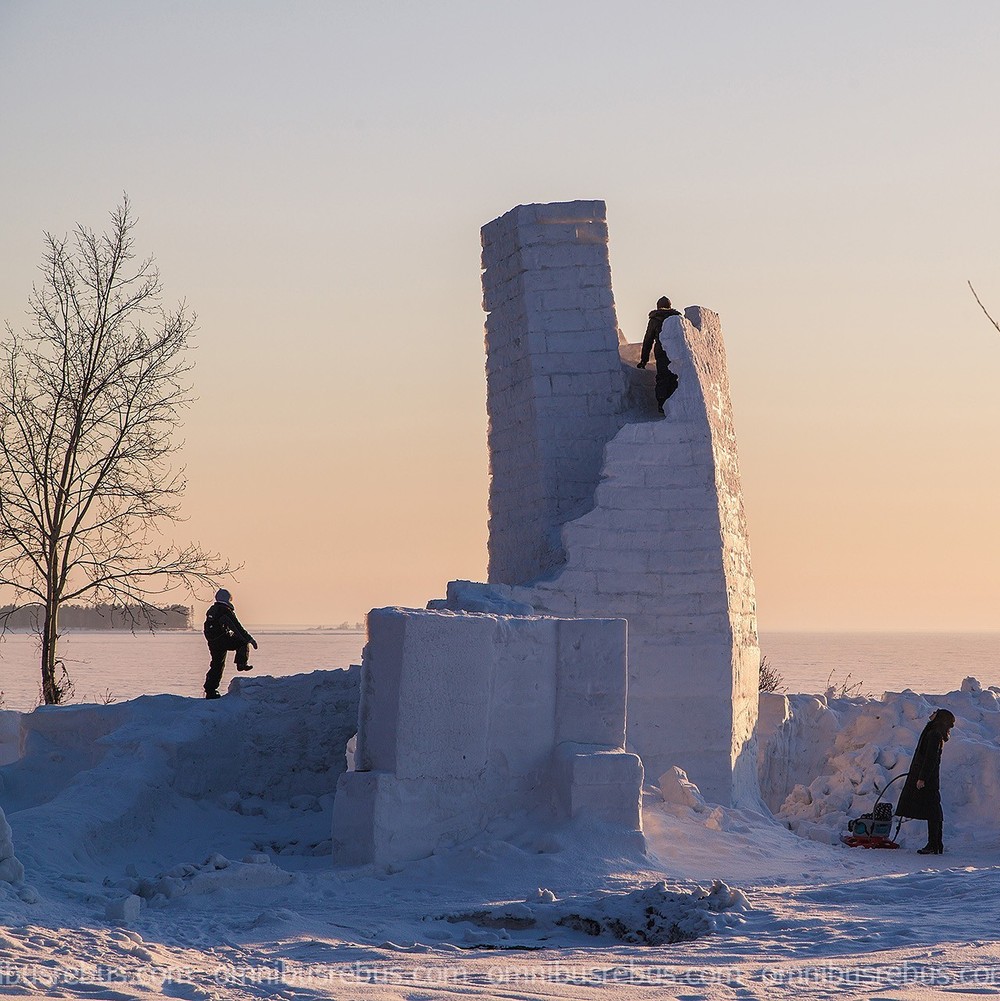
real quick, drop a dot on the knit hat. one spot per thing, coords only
(224, 596)
(663, 302)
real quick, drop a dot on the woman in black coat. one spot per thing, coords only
(921, 795)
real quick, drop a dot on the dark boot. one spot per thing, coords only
(935, 834)
(242, 656)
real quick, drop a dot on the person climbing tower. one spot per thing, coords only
(225, 632)
(666, 381)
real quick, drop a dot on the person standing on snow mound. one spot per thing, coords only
(225, 632)
(666, 381)
(921, 795)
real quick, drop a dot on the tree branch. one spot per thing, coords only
(983, 308)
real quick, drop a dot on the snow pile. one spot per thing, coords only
(677, 789)
(284, 740)
(11, 871)
(684, 800)
(471, 596)
(214, 874)
(254, 771)
(651, 915)
(826, 760)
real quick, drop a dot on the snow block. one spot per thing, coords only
(124, 911)
(590, 694)
(465, 717)
(354, 816)
(601, 784)
(525, 700)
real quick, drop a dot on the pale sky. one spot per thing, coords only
(311, 178)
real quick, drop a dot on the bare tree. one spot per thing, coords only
(771, 679)
(90, 397)
(983, 308)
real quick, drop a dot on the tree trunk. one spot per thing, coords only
(51, 691)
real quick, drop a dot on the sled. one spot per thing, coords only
(872, 830)
(868, 841)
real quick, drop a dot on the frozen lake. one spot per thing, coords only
(930, 663)
(127, 666)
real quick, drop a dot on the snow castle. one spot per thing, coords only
(619, 619)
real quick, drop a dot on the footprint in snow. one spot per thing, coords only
(172, 989)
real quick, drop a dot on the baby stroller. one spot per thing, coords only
(871, 830)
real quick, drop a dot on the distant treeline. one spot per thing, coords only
(99, 617)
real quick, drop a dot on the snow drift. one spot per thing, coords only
(205, 827)
(11, 871)
(96, 781)
(824, 759)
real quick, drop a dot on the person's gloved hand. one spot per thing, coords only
(641, 364)
(253, 643)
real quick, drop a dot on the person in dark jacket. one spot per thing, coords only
(921, 795)
(666, 381)
(225, 632)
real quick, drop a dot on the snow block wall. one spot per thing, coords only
(467, 717)
(651, 526)
(553, 379)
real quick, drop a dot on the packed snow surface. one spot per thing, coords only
(177, 847)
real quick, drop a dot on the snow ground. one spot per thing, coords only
(179, 848)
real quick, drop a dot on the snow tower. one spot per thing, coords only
(600, 508)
